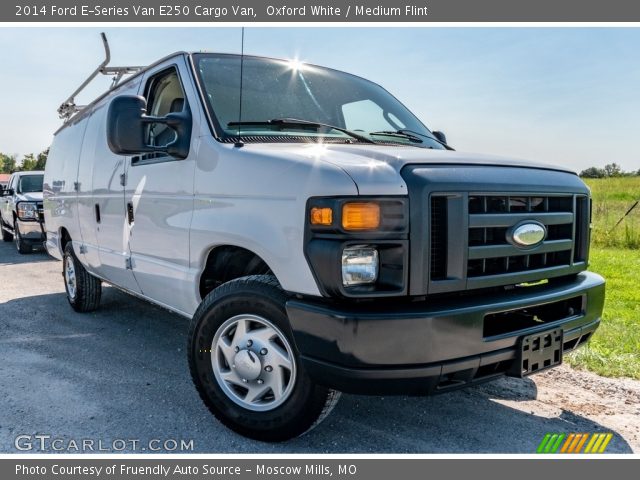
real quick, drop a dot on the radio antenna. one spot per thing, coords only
(239, 142)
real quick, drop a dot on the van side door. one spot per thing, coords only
(159, 195)
(103, 220)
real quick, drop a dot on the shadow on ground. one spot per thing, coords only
(10, 256)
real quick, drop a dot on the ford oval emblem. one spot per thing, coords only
(527, 234)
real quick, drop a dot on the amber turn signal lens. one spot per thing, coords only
(360, 216)
(321, 216)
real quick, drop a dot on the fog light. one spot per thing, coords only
(359, 265)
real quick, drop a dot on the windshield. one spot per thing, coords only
(277, 89)
(30, 183)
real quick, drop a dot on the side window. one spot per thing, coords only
(164, 95)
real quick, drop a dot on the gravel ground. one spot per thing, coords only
(121, 373)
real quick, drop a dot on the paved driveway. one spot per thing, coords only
(121, 374)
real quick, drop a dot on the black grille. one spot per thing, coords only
(583, 228)
(491, 217)
(491, 259)
(438, 238)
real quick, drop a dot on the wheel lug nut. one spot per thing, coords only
(268, 368)
(249, 343)
(260, 381)
(237, 349)
(233, 366)
(244, 380)
(263, 351)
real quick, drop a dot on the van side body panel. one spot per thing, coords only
(246, 198)
(86, 203)
(60, 186)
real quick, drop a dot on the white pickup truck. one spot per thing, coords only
(21, 216)
(318, 235)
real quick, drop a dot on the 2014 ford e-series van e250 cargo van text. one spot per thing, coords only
(320, 238)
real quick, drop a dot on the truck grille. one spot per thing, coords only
(438, 238)
(487, 258)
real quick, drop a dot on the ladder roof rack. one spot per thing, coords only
(69, 108)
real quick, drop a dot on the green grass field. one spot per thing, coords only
(615, 348)
(612, 197)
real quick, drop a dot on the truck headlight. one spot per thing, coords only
(359, 265)
(27, 211)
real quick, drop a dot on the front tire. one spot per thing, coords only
(6, 236)
(83, 289)
(245, 367)
(22, 246)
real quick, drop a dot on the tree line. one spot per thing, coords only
(10, 164)
(609, 170)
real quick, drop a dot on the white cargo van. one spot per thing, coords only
(317, 234)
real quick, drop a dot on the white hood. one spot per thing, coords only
(377, 166)
(30, 196)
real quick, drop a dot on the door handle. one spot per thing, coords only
(130, 212)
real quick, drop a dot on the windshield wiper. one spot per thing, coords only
(295, 122)
(399, 133)
(430, 137)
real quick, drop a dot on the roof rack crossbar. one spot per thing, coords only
(69, 107)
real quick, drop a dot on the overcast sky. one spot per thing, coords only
(568, 96)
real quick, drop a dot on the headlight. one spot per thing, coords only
(359, 265)
(360, 216)
(27, 211)
(358, 246)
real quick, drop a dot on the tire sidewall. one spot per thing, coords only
(17, 238)
(69, 256)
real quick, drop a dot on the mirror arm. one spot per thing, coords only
(148, 119)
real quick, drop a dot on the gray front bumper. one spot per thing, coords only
(32, 231)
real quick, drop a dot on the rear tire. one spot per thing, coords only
(83, 289)
(240, 345)
(22, 246)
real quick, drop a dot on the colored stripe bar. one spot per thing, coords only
(576, 442)
(550, 443)
(596, 446)
(605, 443)
(582, 442)
(543, 443)
(593, 439)
(567, 443)
(556, 445)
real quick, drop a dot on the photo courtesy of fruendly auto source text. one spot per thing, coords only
(300, 239)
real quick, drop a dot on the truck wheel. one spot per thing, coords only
(21, 245)
(245, 367)
(83, 289)
(6, 236)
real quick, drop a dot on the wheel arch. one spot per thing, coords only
(64, 238)
(224, 263)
